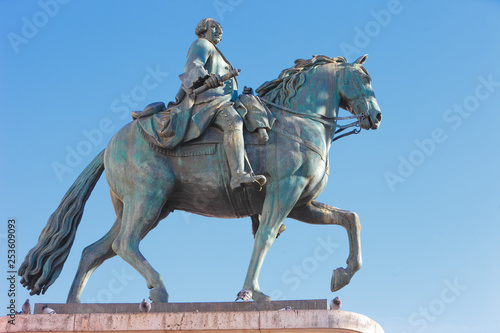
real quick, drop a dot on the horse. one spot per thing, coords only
(148, 182)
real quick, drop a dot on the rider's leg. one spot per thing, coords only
(231, 123)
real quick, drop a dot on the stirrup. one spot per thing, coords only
(239, 182)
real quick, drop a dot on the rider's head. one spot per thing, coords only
(209, 29)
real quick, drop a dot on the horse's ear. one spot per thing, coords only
(361, 60)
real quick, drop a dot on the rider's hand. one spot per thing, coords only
(213, 81)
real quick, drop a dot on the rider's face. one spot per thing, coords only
(214, 33)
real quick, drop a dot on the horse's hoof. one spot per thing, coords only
(259, 296)
(158, 296)
(340, 278)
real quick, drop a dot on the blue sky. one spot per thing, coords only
(425, 184)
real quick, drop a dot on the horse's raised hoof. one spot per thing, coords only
(259, 296)
(158, 296)
(340, 278)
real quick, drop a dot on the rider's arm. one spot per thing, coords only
(197, 57)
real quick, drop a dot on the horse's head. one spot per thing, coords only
(357, 95)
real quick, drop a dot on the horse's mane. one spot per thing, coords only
(283, 89)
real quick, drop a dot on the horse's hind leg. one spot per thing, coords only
(95, 254)
(318, 213)
(140, 215)
(92, 257)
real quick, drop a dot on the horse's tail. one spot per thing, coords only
(44, 262)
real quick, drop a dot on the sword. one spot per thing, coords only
(233, 73)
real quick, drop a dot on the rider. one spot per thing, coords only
(204, 65)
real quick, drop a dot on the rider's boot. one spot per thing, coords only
(234, 147)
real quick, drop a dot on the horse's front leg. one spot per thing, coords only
(318, 213)
(280, 199)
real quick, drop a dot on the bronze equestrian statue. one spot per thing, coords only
(152, 170)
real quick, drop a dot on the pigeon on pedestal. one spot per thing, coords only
(145, 306)
(335, 304)
(26, 307)
(244, 294)
(47, 310)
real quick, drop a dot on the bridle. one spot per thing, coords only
(330, 121)
(358, 102)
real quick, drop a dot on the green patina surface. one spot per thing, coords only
(198, 177)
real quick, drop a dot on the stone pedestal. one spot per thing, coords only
(251, 317)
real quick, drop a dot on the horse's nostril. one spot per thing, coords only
(379, 117)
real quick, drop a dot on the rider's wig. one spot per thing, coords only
(202, 27)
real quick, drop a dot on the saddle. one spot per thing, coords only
(154, 119)
(149, 110)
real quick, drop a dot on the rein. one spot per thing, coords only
(328, 121)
